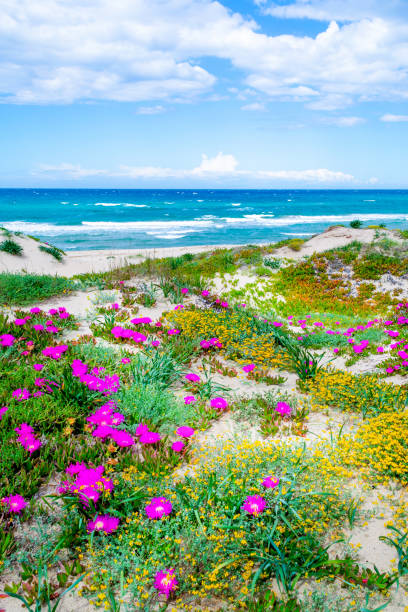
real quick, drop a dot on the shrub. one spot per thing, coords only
(356, 223)
(52, 250)
(11, 247)
(28, 288)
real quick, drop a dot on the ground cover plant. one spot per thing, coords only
(192, 449)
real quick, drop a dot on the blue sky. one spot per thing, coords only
(197, 93)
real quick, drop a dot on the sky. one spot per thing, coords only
(198, 93)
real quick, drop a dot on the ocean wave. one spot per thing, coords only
(197, 224)
(107, 204)
(297, 233)
(136, 206)
(235, 203)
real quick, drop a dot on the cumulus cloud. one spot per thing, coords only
(137, 51)
(221, 166)
(388, 118)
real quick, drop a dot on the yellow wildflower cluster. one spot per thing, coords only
(235, 333)
(352, 392)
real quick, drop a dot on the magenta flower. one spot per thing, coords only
(21, 394)
(254, 504)
(179, 307)
(122, 438)
(185, 432)
(205, 293)
(55, 352)
(7, 340)
(189, 399)
(35, 310)
(205, 344)
(270, 482)
(219, 403)
(141, 429)
(283, 408)
(192, 377)
(173, 332)
(155, 343)
(249, 367)
(158, 507)
(20, 322)
(105, 523)
(184, 291)
(178, 446)
(335, 350)
(14, 503)
(125, 360)
(150, 437)
(3, 411)
(38, 327)
(115, 306)
(141, 321)
(165, 581)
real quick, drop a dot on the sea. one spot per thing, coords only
(76, 219)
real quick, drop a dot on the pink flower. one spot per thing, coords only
(20, 322)
(335, 350)
(115, 306)
(55, 352)
(270, 483)
(178, 446)
(185, 432)
(141, 321)
(283, 408)
(219, 403)
(158, 507)
(249, 367)
(254, 504)
(165, 581)
(184, 291)
(21, 394)
(105, 523)
(173, 332)
(7, 340)
(122, 438)
(35, 310)
(14, 503)
(150, 437)
(155, 343)
(205, 344)
(389, 370)
(141, 429)
(3, 411)
(125, 360)
(189, 399)
(192, 377)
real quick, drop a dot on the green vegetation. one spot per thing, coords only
(21, 289)
(57, 253)
(11, 247)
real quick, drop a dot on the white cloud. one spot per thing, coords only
(221, 166)
(132, 50)
(340, 10)
(150, 110)
(388, 118)
(255, 106)
(344, 121)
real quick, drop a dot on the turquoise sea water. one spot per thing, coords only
(135, 218)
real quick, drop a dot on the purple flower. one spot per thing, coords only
(14, 503)
(189, 399)
(270, 482)
(7, 340)
(249, 367)
(192, 377)
(21, 394)
(283, 408)
(165, 581)
(185, 432)
(178, 446)
(219, 403)
(158, 507)
(150, 437)
(3, 411)
(105, 523)
(254, 504)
